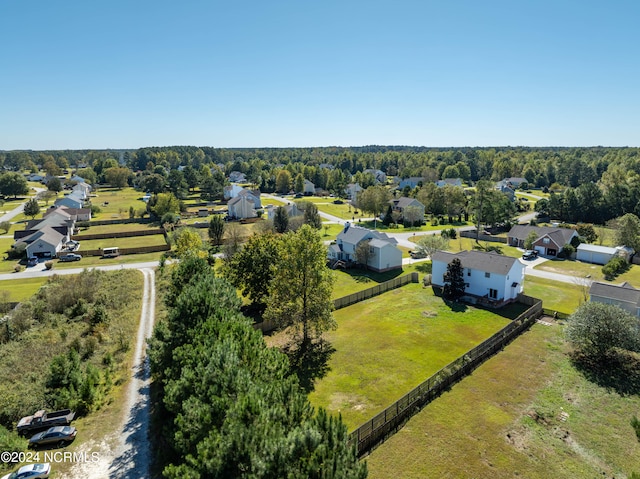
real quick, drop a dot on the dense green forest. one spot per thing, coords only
(592, 184)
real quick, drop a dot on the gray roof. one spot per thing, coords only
(522, 231)
(624, 292)
(478, 260)
(46, 234)
(403, 202)
(354, 234)
(594, 248)
(560, 237)
(378, 243)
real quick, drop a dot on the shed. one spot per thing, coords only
(591, 253)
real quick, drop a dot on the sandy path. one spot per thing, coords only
(126, 453)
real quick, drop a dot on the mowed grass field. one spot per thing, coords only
(562, 297)
(115, 203)
(594, 271)
(526, 412)
(128, 242)
(389, 344)
(20, 289)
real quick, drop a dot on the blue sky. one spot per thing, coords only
(128, 74)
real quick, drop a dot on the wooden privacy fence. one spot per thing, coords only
(494, 239)
(140, 249)
(394, 283)
(374, 431)
(122, 221)
(118, 234)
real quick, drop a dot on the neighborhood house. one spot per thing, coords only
(624, 296)
(549, 240)
(383, 254)
(490, 278)
(46, 237)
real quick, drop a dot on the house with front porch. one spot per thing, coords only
(490, 278)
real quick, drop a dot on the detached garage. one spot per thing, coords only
(591, 253)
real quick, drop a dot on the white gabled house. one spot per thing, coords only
(491, 277)
(241, 207)
(383, 250)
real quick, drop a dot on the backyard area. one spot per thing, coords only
(385, 346)
(527, 412)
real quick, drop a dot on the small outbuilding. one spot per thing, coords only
(591, 253)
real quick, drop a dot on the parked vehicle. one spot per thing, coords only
(31, 471)
(70, 257)
(58, 435)
(111, 252)
(530, 254)
(32, 261)
(44, 420)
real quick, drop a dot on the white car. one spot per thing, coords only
(31, 471)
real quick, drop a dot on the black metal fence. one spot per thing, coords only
(374, 431)
(394, 283)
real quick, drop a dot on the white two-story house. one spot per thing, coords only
(492, 277)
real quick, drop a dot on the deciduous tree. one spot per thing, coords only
(429, 244)
(627, 231)
(300, 293)
(32, 208)
(596, 329)
(283, 181)
(252, 268)
(13, 184)
(117, 177)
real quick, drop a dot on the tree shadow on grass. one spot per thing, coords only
(618, 371)
(309, 361)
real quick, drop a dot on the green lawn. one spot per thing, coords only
(353, 280)
(401, 229)
(129, 242)
(101, 229)
(21, 288)
(578, 268)
(389, 344)
(119, 201)
(527, 413)
(462, 244)
(561, 297)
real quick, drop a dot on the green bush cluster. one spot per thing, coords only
(614, 267)
(63, 347)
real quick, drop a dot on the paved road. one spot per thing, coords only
(18, 209)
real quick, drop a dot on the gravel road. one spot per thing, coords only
(126, 454)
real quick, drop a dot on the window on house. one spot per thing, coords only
(468, 272)
(487, 275)
(371, 251)
(493, 293)
(545, 241)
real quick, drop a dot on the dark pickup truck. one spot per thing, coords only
(44, 420)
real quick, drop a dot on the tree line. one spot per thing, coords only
(230, 406)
